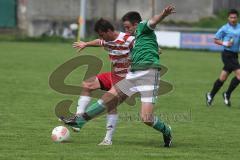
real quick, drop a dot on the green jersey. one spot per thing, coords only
(144, 54)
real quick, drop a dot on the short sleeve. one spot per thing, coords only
(220, 33)
(102, 42)
(144, 28)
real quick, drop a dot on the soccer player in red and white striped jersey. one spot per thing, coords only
(118, 45)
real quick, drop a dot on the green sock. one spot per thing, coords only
(91, 112)
(95, 109)
(161, 126)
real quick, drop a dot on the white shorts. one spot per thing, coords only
(145, 82)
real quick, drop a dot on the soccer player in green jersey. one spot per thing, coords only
(143, 77)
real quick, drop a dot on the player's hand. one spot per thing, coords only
(227, 44)
(169, 10)
(79, 45)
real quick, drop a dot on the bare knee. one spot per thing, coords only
(238, 74)
(223, 76)
(85, 85)
(88, 86)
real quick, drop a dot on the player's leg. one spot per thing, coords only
(234, 83)
(109, 101)
(233, 64)
(112, 99)
(216, 86)
(112, 118)
(104, 82)
(155, 122)
(88, 85)
(107, 80)
(227, 69)
(147, 83)
(147, 113)
(219, 82)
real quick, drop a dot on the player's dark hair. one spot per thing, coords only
(103, 25)
(133, 17)
(233, 11)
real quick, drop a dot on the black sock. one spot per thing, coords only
(234, 83)
(217, 85)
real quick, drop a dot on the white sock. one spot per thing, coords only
(83, 102)
(111, 125)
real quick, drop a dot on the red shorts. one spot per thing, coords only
(107, 80)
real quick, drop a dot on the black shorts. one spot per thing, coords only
(230, 61)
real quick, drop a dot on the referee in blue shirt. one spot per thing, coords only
(229, 37)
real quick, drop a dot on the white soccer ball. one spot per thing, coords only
(60, 134)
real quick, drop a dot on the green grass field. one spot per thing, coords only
(27, 110)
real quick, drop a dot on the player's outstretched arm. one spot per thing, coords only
(159, 17)
(81, 45)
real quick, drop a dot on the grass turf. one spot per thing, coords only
(27, 110)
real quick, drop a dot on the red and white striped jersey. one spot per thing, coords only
(119, 50)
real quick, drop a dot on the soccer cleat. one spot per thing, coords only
(168, 138)
(75, 129)
(105, 142)
(209, 99)
(76, 122)
(226, 99)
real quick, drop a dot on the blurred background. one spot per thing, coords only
(60, 18)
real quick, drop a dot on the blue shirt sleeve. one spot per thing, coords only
(220, 33)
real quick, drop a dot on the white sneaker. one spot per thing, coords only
(209, 99)
(105, 142)
(226, 99)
